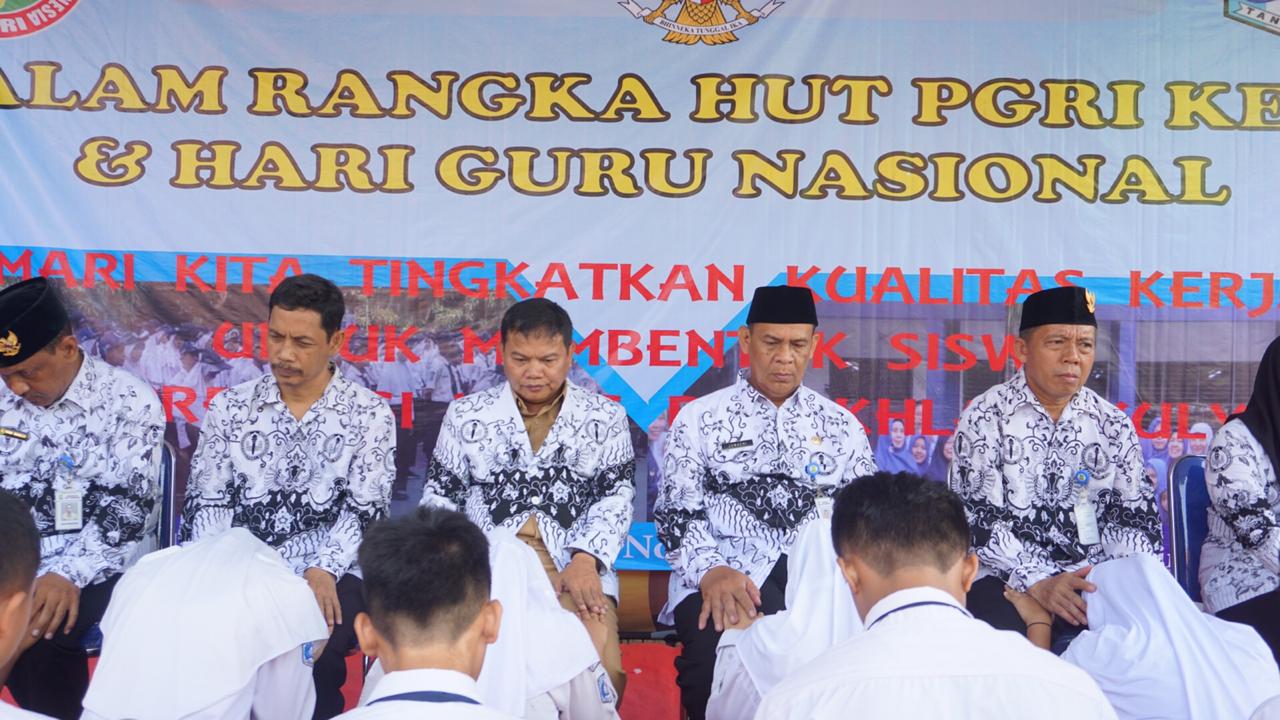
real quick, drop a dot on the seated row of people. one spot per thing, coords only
(469, 626)
(1051, 476)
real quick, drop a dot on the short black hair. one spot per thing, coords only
(537, 316)
(426, 575)
(896, 520)
(311, 292)
(21, 556)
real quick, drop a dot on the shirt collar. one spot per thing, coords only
(555, 402)
(910, 596)
(403, 681)
(86, 378)
(1020, 394)
(271, 391)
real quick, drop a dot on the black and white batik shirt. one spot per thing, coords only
(578, 487)
(740, 476)
(1015, 468)
(308, 488)
(111, 427)
(1241, 555)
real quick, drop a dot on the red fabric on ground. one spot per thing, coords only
(651, 682)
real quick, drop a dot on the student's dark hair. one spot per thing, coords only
(537, 316)
(20, 557)
(896, 520)
(426, 575)
(311, 292)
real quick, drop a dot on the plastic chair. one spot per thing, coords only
(169, 520)
(1189, 514)
(166, 531)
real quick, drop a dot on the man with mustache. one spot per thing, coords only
(1051, 473)
(304, 459)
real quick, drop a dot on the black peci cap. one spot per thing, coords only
(31, 316)
(782, 304)
(1058, 306)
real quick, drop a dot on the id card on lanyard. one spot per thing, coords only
(1086, 518)
(68, 500)
(822, 499)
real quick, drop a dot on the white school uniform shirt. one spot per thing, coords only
(1015, 469)
(219, 629)
(578, 486)
(110, 424)
(308, 487)
(543, 666)
(1155, 654)
(1269, 710)
(736, 480)
(923, 655)
(820, 613)
(425, 680)
(1240, 559)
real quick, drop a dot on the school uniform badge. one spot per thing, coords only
(701, 21)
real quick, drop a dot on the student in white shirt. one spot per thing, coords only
(219, 629)
(1155, 654)
(819, 614)
(903, 546)
(18, 564)
(430, 617)
(544, 665)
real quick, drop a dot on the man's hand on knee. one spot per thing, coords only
(728, 598)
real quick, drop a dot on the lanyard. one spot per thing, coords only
(914, 605)
(430, 696)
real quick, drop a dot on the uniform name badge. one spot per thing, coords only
(1086, 518)
(822, 498)
(68, 502)
(68, 510)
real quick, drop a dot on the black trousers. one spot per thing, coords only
(330, 671)
(51, 677)
(1262, 613)
(696, 665)
(986, 602)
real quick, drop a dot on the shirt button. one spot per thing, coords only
(536, 499)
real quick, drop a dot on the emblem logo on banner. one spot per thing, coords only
(701, 20)
(23, 17)
(1264, 14)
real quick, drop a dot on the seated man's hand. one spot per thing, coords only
(55, 606)
(1060, 595)
(325, 586)
(1028, 609)
(728, 597)
(596, 630)
(582, 581)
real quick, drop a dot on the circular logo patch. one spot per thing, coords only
(1219, 459)
(24, 17)
(254, 445)
(473, 431)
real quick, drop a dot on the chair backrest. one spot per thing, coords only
(168, 502)
(1188, 513)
